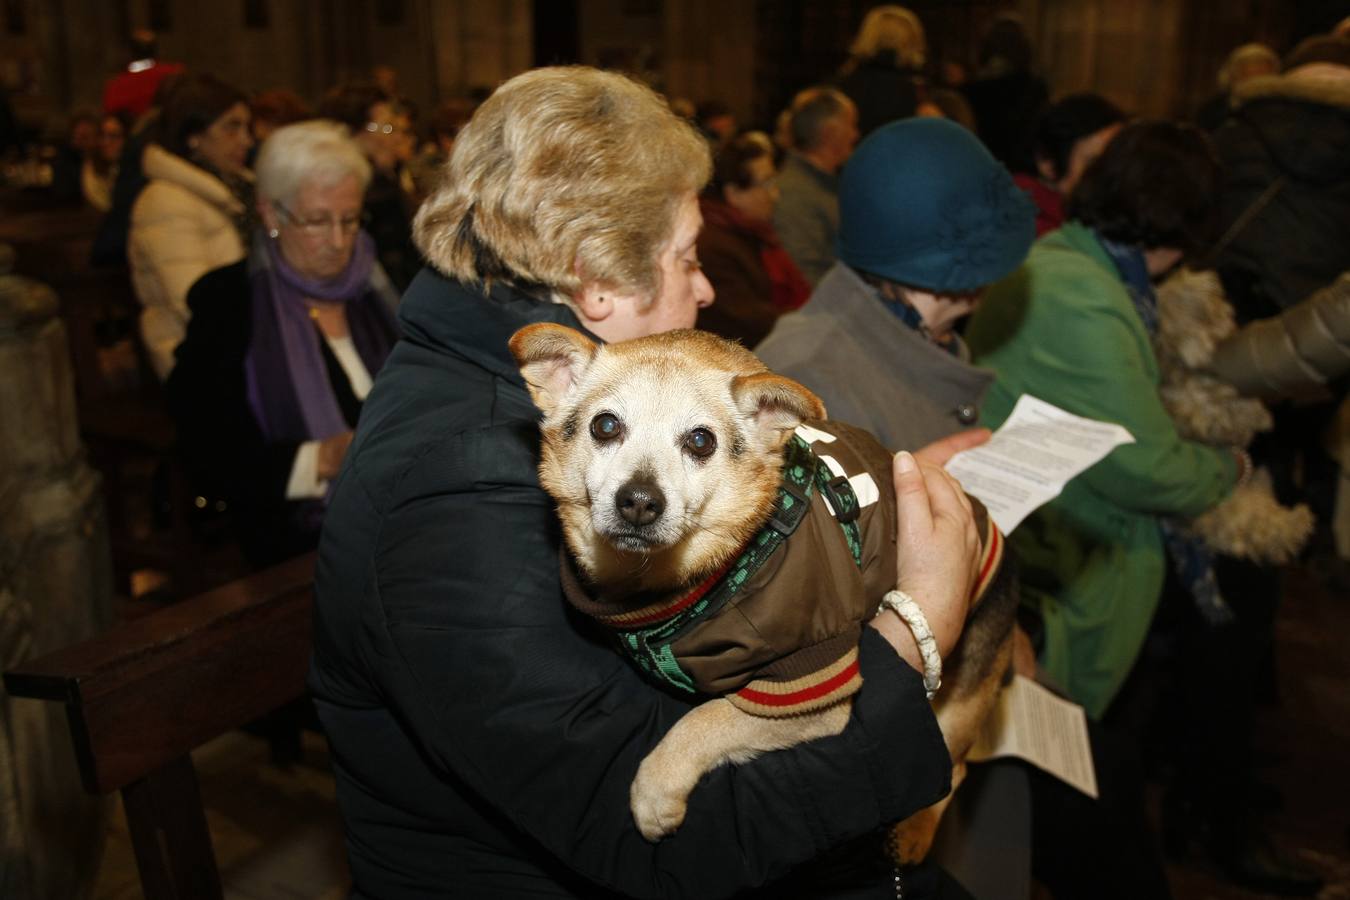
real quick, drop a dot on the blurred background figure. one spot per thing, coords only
(196, 211)
(821, 129)
(274, 108)
(684, 108)
(442, 129)
(1069, 135)
(99, 172)
(754, 278)
(717, 122)
(67, 162)
(382, 129)
(386, 79)
(1246, 62)
(283, 346)
(1006, 93)
(884, 72)
(132, 91)
(950, 103)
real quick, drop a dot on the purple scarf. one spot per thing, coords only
(288, 387)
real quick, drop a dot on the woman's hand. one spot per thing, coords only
(331, 452)
(937, 554)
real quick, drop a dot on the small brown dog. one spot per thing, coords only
(736, 543)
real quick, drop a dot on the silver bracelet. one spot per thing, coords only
(910, 613)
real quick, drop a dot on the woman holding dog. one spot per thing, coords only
(485, 739)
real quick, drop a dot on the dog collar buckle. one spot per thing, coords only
(793, 501)
(842, 499)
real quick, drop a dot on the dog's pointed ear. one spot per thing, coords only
(552, 359)
(775, 404)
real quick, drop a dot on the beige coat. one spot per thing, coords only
(181, 228)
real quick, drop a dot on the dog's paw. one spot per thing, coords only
(658, 808)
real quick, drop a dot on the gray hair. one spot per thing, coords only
(318, 151)
(812, 109)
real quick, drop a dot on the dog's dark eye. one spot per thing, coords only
(700, 443)
(606, 427)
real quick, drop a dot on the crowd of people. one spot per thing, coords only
(327, 294)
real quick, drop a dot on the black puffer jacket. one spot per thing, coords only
(882, 90)
(484, 734)
(1295, 130)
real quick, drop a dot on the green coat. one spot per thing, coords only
(1063, 328)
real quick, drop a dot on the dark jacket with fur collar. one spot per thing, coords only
(485, 736)
(1293, 128)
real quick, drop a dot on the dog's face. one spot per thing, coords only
(663, 453)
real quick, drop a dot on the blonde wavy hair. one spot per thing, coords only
(564, 176)
(892, 28)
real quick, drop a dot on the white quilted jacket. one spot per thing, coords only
(181, 228)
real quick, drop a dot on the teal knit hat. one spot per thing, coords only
(924, 204)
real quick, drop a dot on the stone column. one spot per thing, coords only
(55, 590)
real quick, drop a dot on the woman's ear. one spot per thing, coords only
(593, 302)
(268, 213)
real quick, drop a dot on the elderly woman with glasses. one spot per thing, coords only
(266, 391)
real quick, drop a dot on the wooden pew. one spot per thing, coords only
(142, 696)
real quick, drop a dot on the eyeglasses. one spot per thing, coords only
(320, 226)
(386, 128)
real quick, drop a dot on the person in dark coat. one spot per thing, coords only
(1006, 94)
(485, 734)
(755, 279)
(1286, 155)
(1069, 135)
(1245, 62)
(884, 73)
(282, 346)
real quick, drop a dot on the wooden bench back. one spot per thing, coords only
(142, 696)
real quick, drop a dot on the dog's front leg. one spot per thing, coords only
(708, 736)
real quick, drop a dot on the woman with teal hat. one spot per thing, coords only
(927, 219)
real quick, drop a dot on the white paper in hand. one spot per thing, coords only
(1031, 457)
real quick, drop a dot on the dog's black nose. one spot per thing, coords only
(640, 502)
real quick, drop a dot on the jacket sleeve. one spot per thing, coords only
(1293, 354)
(1092, 358)
(511, 694)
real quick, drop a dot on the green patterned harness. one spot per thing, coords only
(803, 474)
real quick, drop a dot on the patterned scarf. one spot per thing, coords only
(288, 387)
(1192, 559)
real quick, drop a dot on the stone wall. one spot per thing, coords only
(55, 590)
